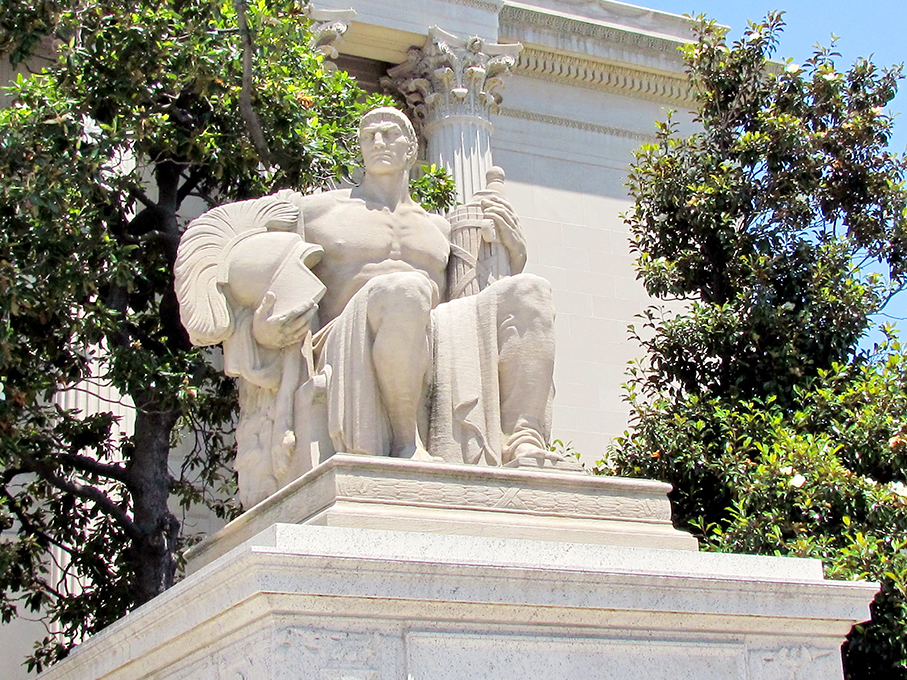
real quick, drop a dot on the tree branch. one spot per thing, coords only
(167, 174)
(170, 239)
(30, 526)
(87, 493)
(9, 474)
(894, 291)
(253, 125)
(188, 187)
(97, 383)
(206, 197)
(87, 464)
(142, 198)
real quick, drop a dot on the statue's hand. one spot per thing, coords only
(284, 330)
(499, 210)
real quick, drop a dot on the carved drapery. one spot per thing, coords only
(451, 88)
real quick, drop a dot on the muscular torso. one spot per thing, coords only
(363, 240)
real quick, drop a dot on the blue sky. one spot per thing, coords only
(875, 29)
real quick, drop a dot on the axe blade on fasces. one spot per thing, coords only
(296, 449)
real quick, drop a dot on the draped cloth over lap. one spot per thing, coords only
(357, 422)
(463, 394)
(465, 422)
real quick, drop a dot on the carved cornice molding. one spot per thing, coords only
(635, 135)
(328, 27)
(487, 5)
(600, 56)
(513, 16)
(588, 73)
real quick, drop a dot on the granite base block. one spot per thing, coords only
(343, 603)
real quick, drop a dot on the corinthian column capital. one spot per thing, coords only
(453, 76)
(451, 88)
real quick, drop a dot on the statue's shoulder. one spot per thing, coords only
(317, 204)
(439, 222)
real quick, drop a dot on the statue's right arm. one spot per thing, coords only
(276, 331)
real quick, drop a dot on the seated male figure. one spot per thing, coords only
(410, 373)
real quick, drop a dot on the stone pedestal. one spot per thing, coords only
(338, 603)
(374, 492)
(329, 600)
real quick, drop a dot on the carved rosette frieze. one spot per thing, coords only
(451, 86)
(328, 27)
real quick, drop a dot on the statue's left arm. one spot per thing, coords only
(501, 212)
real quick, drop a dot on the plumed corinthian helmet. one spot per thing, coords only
(232, 256)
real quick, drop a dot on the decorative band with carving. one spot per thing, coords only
(543, 65)
(512, 17)
(424, 493)
(487, 5)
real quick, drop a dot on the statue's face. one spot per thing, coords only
(385, 147)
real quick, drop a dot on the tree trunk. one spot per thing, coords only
(150, 484)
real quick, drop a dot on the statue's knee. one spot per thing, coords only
(401, 295)
(527, 293)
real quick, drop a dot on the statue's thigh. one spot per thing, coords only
(402, 299)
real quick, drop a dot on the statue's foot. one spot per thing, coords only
(526, 448)
(534, 457)
(415, 452)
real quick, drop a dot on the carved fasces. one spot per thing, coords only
(478, 258)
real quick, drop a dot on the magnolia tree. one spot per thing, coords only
(753, 399)
(149, 104)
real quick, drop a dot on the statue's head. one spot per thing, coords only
(392, 130)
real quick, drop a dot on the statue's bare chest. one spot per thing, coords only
(353, 235)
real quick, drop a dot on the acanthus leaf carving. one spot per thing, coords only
(328, 27)
(452, 76)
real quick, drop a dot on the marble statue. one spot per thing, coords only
(358, 322)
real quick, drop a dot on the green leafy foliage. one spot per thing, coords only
(824, 480)
(434, 189)
(753, 400)
(152, 111)
(759, 218)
